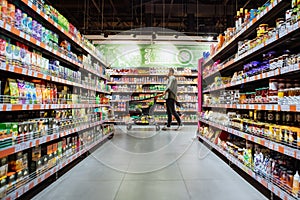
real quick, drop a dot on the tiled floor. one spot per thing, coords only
(143, 164)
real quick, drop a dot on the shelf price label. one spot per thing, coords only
(285, 107)
(22, 146)
(269, 107)
(296, 67)
(8, 27)
(289, 152)
(1, 23)
(27, 37)
(271, 73)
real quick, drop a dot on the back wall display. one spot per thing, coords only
(152, 55)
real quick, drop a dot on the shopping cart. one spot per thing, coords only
(141, 112)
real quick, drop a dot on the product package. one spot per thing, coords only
(22, 91)
(11, 92)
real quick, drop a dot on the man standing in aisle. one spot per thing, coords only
(171, 97)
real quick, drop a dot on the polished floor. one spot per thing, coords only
(142, 164)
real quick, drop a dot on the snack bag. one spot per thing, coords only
(16, 56)
(33, 93)
(39, 93)
(28, 60)
(11, 91)
(28, 93)
(2, 49)
(22, 91)
(23, 54)
(9, 53)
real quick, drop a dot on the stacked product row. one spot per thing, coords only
(278, 91)
(17, 168)
(153, 71)
(152, 83)
(53, 98)
(15, 16)
(279, 169)
(250, 105)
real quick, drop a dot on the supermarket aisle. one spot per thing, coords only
(143, 164)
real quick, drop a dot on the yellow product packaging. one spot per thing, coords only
(11, 91)
(293, 132)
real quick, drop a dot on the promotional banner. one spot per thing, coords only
(152, 55)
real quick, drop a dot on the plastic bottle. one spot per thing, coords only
(296, 184)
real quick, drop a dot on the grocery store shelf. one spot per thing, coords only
(149, 83)
(31, 184)
(228, 48)
(124, 91)
(47, 138)
(152, 74)
(269, 185)
(273, 107)
(17, 107)
(270, 74)
(181, 110)
(31, 73)
(160, 121)
(24, 71)
(281, 148)
(38, 44)
(53, 23)
(87, 68)
(266, 46)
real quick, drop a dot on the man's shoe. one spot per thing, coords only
(179, 127)
(165, 128)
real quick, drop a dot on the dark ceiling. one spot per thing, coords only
(190, 17)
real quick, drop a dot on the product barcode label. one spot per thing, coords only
(285, 107)
(298, 108)
(8, 107)
(289, 152)
(24, 71)
(298, 154)
(11, 68)
(269, 74)
(3, 65)
(296, 67)
(269, 107)
(38, 43)
(27, 37)
(22, 35)
(276, 147)
(8, 27)
(29, 3)
(38, 11)
(22, 146)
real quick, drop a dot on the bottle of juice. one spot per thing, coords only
(296, 184)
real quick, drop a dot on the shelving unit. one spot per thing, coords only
(125, 88)
(63, 114)
(229, 123)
